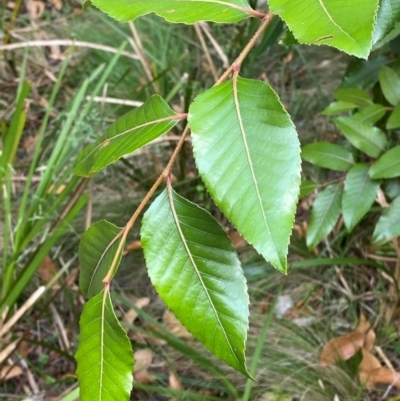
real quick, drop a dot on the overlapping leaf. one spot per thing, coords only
(394, 119)
(371, 140)
(390, 85)
(248, 154)
(388, 165)
(186, 11)
(371, 114)
(307, 187)
(358, 195)
(104, 356)
(130, 132)
(328, 155)
(324, 214)
(97, 250)
(354, 95)
(388, 225)
(338, 108)
(347, 26)
(196, 271)
(387, 18)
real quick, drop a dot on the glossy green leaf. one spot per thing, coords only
(387, 17)
(388, 225)
(328, 155)
(388, 165)
(104, 356)
(371, 114)
(130, 132)
(354, 95)
(358, 195)
(248, 154)
(390, 85)
(338, 108)
(307, 187)
(347, 26)
(196, 271)
(370, 140)
(324, 214)
(97, 250)
(186, 11)
(394, 118)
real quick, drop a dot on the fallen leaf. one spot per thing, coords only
(144, 377)
(364, 327)
(143, 359)
(8, 372)
(174, 382)
(131, 315)
(47, 269)
(36, 8)
(174, 325)
(237, 240)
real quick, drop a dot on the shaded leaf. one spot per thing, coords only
(104, 356)
(324, 214)
(186, 11)
(307, 187)
(394, 118)
(338, 108)
(358, 195)
(196, 271)
(328, 155)
(354, 95)
(370, 140)
(96, 253)
(388, 225)
(392, 187)
(387, 166)
(371, 114)
(386, 19)
(390, 85)
(348, 28)
(247, 152)
(128, 133)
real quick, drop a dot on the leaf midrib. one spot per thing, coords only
(351, 162)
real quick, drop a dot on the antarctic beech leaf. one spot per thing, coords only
(97, 250)
(196, 271)
(347, 26)
(128, 133)
(358, 195)
(104, 356)
(248, 154)
(388, 225)
(324, 214)
(186, 11)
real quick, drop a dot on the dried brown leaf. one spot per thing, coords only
(131, 315)
(143, 359)
(47, 269)
(8, 372)
(174, 325)
(174, 382)
(364, 327)
(237, 240)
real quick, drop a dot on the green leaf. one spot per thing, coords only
(346, 26)
(104, 356)
(97, 250)
(354, 95)
(248, 154)
(388, 225)
(196, 271)
(387, 17)
(328, 155)
(392, 187)
(388, 165)
(307, 187)
(390, 85)
(394, 118)
(370, 140)
(358, 195)
(186, 11)
(130, 132)
(338, 108)
(324, 214)
(371, 114)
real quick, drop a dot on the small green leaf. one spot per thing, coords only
(388, 16)
(392, 187)
(363, 73)
(185, 11)
(338, 108)
(324, 214)
(394, 118)
(307, 187)
(196, 271)
(358, 195)
(346, 26)
(371, 114)
(130, 132)
(388, 225)
(104, 356)
(97, 250)
(247, 153)
(328, 155)
(388, 165)
(370, 140)
(354, 95)
(390, 85)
